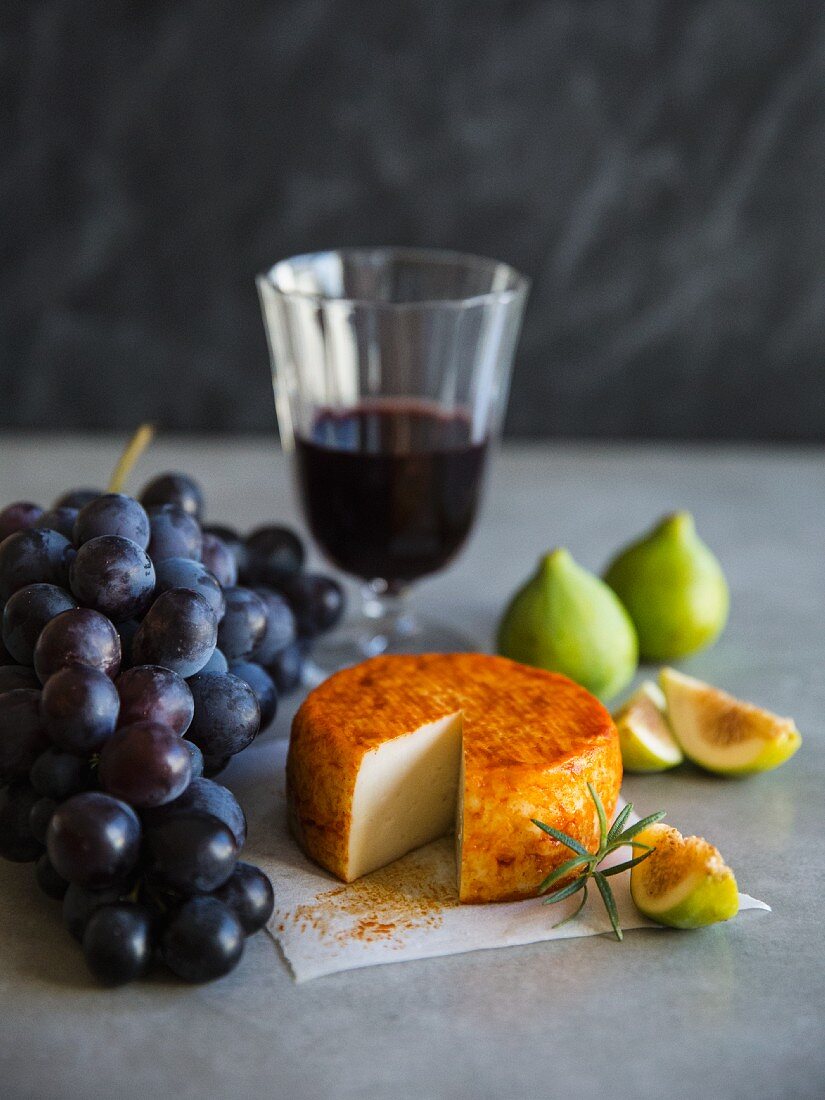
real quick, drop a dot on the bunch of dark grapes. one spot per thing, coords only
(140, 651)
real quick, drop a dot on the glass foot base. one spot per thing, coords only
(371, 637)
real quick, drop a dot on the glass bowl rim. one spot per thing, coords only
(518, 289)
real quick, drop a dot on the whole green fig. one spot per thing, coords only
(564, 619)
(674, 589)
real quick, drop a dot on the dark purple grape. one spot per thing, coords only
(180, 632)
(262, 684)
(49, 881)
(79, 904)
(227, 715)
(17, 842)
(94, 840)
(78, 637)
(25, 615)
(196, 758)
(59, 775)
(191, 853)
(34, 557)
(112, 514)
(216, 663)
(175, 534)
(126, 632)
(280, 627)
(225, 533)
(145, 765)
(243, 625)
(202, 941)
(39, 817)
(174, 488)
(233, 542)
(273, 554)
(17, 676)
(219, 560)
(214, 765)
(287, 667)
(22, 734)
(193, 575)
(114, 576)
(77, 498)
(59, 519)
(117, 943)
(203, 796)
(249, 894)
(79, 707)
(150, 693)
(5, 657)
(317, 602)
(18, 517)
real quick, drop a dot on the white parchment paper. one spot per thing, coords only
(409, 910)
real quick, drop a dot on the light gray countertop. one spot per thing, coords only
(737, 1010)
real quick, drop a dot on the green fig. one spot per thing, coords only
(564, 619)
(723, 734)
(684, 883)
(674, 589)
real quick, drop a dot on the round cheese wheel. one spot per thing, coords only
(397, 751)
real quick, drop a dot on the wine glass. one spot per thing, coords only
(391, 369)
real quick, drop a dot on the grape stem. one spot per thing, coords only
(131, 453)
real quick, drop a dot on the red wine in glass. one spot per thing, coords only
(390, 487)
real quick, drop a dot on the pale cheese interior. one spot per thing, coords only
(405, 795)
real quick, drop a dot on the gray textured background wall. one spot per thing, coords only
(657, 167)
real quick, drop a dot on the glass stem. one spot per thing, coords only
(387, 611)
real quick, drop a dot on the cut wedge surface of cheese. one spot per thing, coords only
(404, 795)
(398, 751)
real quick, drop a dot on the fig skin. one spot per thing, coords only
(674, 589)
(564, 619)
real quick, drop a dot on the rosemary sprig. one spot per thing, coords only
(587, 863)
